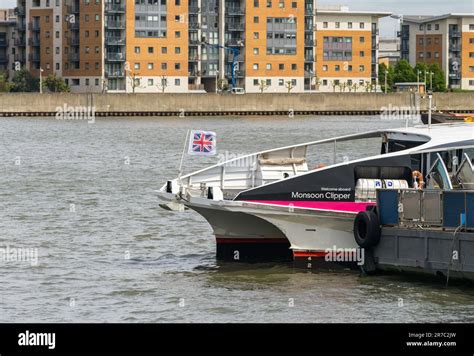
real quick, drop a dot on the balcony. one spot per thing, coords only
(73, 9)
(194, 25)
(111, 7)
(195, 86)
(234, 11)
(193, 58)
(34, 41)
(74, 57)
(455, 48)
(20, 57)
(194, 42)
(309, 43)
(235, 42)
(455, 76)
(115, 57)
(115, 41)
(3, 43)
(20, 11)
(73, 41)
(194, 9)
(309, 58)
(20, 26)
(240, 74)
(73, 25)
(3, 59)
(117, 25)
(20, 42)
(235, 26)
(35, 27)
(34, 57)
(454, 34)
(115, 74)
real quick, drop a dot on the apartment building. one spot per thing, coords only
(347, 49)
(7, 45)
(447, 40)
(187, 45)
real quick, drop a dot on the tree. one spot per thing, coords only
(23, 81)
(334, 84)
(163, 83)
(55, 84)
(289, 85)
(390, 75)
(134, 80)
(5, 86)
(404, 72)
(439, 80)
(262, 85)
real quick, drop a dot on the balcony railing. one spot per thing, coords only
(34, 57)
(235, 42)
(3, 59)
(235, 26)
(115, 74)
(73, 41)
(20, 57)
(193, 58)
(20, 11)
(74, 57)
(115, 57)
(309, 58)
(20, 42)
(455, 48)
(194, 42)
(115, 25)
(234, 11)
(34, 26)
(195, 86)
(455, 34)
(73, 9)
(111, 7)
(194, 9)
(3, 43)
(20, 26)
(115, 41)
(309, 43)
(73, 25)
(194, 25)
(34, 41)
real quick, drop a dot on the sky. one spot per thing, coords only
(388, 26)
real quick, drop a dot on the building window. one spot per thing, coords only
(255, 51)
(338, 25)
(151, 50)
(255, 82)
(281, 66)
(164, 66)
(281, 4)
(136, 66)
(269, 3)
(96, 82)
(293, 66)
(177, 50)
(150, 66)
(269, 66)
(137, 50)
(337, 68)
(325, 82)
(255, 35)
(255, 3)
(325, 68)
(281, 82)
(422, 27)
(177, 82)
(87, 81)
(362, 68)
(437, 27)
(255, 19)
(471, 27)
(349, 25)
(164, 50)
(177, 66)
(471, 83)
(421, 55)
(362, 25)
(325, 25)
(177, 34)
(294, 4)
(362, 53)
(429, 27)
(255, 66)
(362, 39)
(150, 82)
(471, 68)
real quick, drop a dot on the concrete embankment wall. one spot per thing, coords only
(221, 104)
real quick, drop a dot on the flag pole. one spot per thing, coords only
(180, 169)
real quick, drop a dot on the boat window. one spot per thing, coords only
(438, 176)
(465, 173)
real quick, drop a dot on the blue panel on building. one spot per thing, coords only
(470, 210)
(387, 202)
(453, 207)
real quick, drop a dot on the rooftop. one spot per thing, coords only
(425, 19)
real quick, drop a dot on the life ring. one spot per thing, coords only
(367, 229)
(469, 119)
(319, 166)
(418, 177)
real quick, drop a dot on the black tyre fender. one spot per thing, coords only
(367, 229)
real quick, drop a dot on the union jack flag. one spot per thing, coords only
(202, 143)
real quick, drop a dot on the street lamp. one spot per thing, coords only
(41, 80)
(418, 80)
(217, 75)
(431, 81)
(386, 80)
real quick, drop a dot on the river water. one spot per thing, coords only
(82, 196)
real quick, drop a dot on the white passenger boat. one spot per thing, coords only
(285, 201)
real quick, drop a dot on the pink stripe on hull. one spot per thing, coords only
(351, 207)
